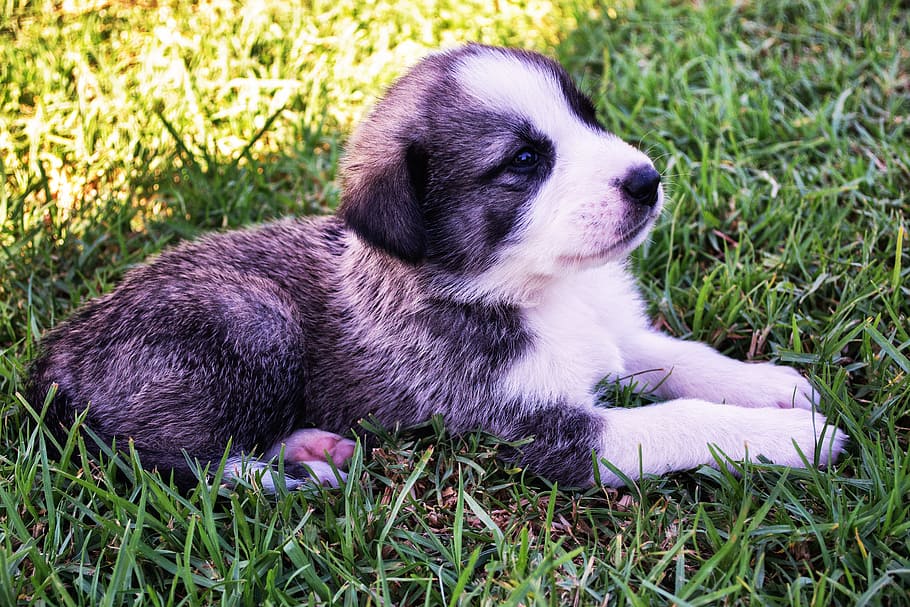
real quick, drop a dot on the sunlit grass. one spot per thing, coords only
(780, 128)
(85, 87)
(109, 108)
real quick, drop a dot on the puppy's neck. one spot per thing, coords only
(526, 292)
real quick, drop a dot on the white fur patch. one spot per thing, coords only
(578, 328)
(505, 82)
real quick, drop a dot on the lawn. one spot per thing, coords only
(781, 129)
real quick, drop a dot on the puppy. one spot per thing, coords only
(475, 269)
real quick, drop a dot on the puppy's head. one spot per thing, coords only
(489, 167)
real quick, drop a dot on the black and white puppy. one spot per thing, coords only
(474, 270)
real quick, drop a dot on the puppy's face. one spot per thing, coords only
(490, 166)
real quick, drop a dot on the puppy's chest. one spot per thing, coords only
(573, 347)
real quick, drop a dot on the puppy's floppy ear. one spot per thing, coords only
(381, 201)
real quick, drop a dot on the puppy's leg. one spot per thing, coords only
(679, 435)
(674, 368)
(309, 454)
(564, 438)
(669, 437)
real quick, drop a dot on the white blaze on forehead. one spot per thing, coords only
(514, 86)
(506, 83)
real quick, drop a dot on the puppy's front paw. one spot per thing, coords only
(788, 388)
(781, 436)
(770, 385)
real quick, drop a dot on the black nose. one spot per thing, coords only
(641, 183)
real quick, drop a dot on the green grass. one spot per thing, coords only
(782, 129)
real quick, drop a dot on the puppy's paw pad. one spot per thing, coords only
(313, 446)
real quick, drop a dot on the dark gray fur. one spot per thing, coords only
(249, 335)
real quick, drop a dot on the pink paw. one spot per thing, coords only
(312, 445)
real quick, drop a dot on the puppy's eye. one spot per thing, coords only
(526, 160)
